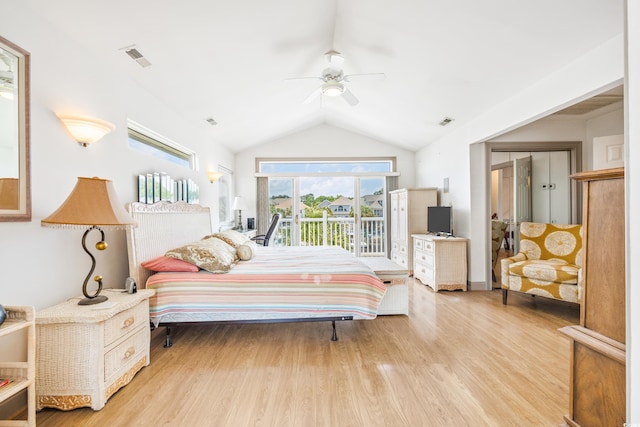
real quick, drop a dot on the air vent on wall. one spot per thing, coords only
(445, 121)
(135, 54)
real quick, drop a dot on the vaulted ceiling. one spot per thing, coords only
(229, 60)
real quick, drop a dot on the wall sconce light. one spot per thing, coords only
(86, 130)
(214, 176)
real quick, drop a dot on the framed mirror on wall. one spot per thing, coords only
(15, 188)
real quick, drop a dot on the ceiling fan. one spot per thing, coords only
(334, 80)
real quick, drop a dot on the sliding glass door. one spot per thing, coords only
(340, 210)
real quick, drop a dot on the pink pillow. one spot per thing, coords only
(164, 263)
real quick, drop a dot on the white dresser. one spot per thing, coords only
(408, 216)
(85, 353)
(440, 262)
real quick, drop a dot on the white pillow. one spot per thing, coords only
(245, 252)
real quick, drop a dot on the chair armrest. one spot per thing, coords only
(259, 239)
(504, 267)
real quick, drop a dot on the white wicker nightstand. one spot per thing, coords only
(87, 353)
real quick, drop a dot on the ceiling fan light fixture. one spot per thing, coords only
(332, 88)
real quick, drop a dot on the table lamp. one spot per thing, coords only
(238, 205)
(93, 203)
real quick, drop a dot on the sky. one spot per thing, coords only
(325, 185)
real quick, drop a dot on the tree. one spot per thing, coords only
(308, 199)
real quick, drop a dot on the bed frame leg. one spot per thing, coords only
(167, 338)
(334, 337)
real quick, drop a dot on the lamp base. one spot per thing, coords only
(94, 300)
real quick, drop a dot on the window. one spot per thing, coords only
(147, 141)
(329, 201)
(225, 197)
(307, 166)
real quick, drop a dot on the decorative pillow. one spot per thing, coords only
(246, 251)
(213, 255)
(164, 263)
(231, 237)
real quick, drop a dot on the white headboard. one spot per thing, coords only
(162, 226)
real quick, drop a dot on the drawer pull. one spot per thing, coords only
(128, 322)
(130, 352)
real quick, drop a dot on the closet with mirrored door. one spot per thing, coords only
(532, 186)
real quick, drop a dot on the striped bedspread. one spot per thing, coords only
(277, 283)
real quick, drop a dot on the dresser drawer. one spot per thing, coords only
(424, 273)
(404, 250)
(120, 359)
(424, 257)
(400, 258)
(122, 323)
(429, 246)
(418, 243)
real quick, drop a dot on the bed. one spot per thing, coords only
(278, 284)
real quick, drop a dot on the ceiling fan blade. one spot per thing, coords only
(313, 96)
(348, 96)
(350, 77)
(302, 78)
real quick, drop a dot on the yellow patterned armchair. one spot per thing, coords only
(548, 263)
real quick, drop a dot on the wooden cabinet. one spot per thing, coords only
(598, 351)
(88, 352)
(408, 216)
(440, 262)
(17, 362)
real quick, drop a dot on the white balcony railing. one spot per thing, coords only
(337, 232)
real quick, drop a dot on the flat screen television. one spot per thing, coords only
(440, 220)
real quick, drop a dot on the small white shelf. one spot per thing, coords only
(19, 365)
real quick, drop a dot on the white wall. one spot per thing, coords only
(43, 266)
(597, 71)
(608, 124)
(320, 141)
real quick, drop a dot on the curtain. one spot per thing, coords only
(392, 184)
(262, 205)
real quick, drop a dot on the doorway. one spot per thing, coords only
(531, 184)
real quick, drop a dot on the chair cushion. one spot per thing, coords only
(552, 241)
(547, 271)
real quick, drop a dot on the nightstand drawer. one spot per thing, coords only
(120, 359)
(122, 323)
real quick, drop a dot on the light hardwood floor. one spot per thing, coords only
(458, 359)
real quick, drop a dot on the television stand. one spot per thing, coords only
(440, 261)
